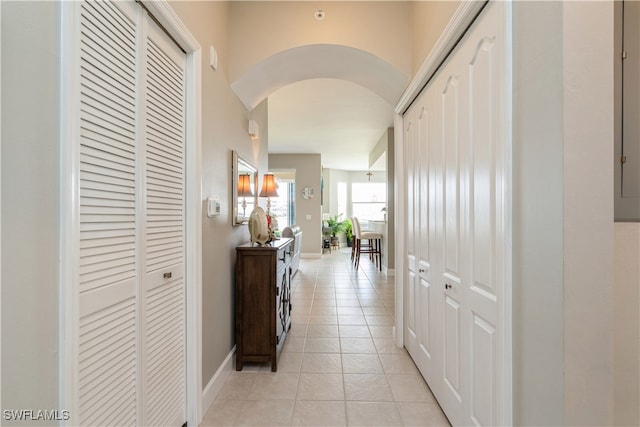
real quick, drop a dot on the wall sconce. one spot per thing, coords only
(244, 190)
(253, 130)
(269, 187)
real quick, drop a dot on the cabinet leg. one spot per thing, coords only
(239, 365)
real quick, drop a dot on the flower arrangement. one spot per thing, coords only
(272, 225)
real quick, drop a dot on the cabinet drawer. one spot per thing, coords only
(284, 256)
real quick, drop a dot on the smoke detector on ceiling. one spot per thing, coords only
(319, 15)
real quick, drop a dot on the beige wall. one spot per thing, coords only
(261, 29)
(428, 20)
(30, 204)
(627, 324)
(308, 169)
(224, 128)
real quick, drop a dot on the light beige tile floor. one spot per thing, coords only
(339, 365)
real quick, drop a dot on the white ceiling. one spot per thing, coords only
(338, 119)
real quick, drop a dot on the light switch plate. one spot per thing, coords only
(308, 216)
(213, 58)
(213, 207)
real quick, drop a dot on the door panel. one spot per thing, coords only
(486, 224)
(411, 332)
(455, 394)
(164, 341)
(483, 104)
(451, 172)
(483, 372)
(452, 346)
(426, 320)
(107, 306)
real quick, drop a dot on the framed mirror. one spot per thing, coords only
(244, 179)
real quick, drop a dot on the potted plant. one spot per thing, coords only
(348, 231)
(336, 227)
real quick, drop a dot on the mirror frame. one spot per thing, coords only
(238, 163)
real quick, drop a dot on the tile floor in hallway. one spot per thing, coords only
(339, 365)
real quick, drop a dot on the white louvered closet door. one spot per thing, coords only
(107, 307)
(130, 343)
(163, 285)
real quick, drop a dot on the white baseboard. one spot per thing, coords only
(310, 255)
(390, 272)
(217, 381)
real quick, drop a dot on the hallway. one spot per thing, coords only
(339, 365)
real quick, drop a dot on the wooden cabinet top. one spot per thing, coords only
(272, 246)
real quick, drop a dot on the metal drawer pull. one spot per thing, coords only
(447, 286)
(421, 270)
(167, 275)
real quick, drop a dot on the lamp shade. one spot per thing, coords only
(244, 185)
(268, 186)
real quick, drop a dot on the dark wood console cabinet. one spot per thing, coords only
(263, 307)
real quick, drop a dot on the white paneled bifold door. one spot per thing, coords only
(455, 143)
(131, 340)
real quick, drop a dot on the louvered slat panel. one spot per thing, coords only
(157, 190)
(165, 122)
(168, 71)
(164, 345)
(165, 351)
(165, 113)
(112, 246)
(161, 140)
(95, 173)
(100, 239)
(110, 140)
(107, 264)
(106, 369)
(162, 175)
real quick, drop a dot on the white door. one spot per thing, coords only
(486, 232)
(129, 361)
(411, 278)
(451, 91)
(428, 309)
(461, 237)
(163, 286)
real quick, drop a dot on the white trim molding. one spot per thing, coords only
(453, 32)
(69, 193)
(217, 381)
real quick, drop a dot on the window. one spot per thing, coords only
(369, 200)
(283, 207)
